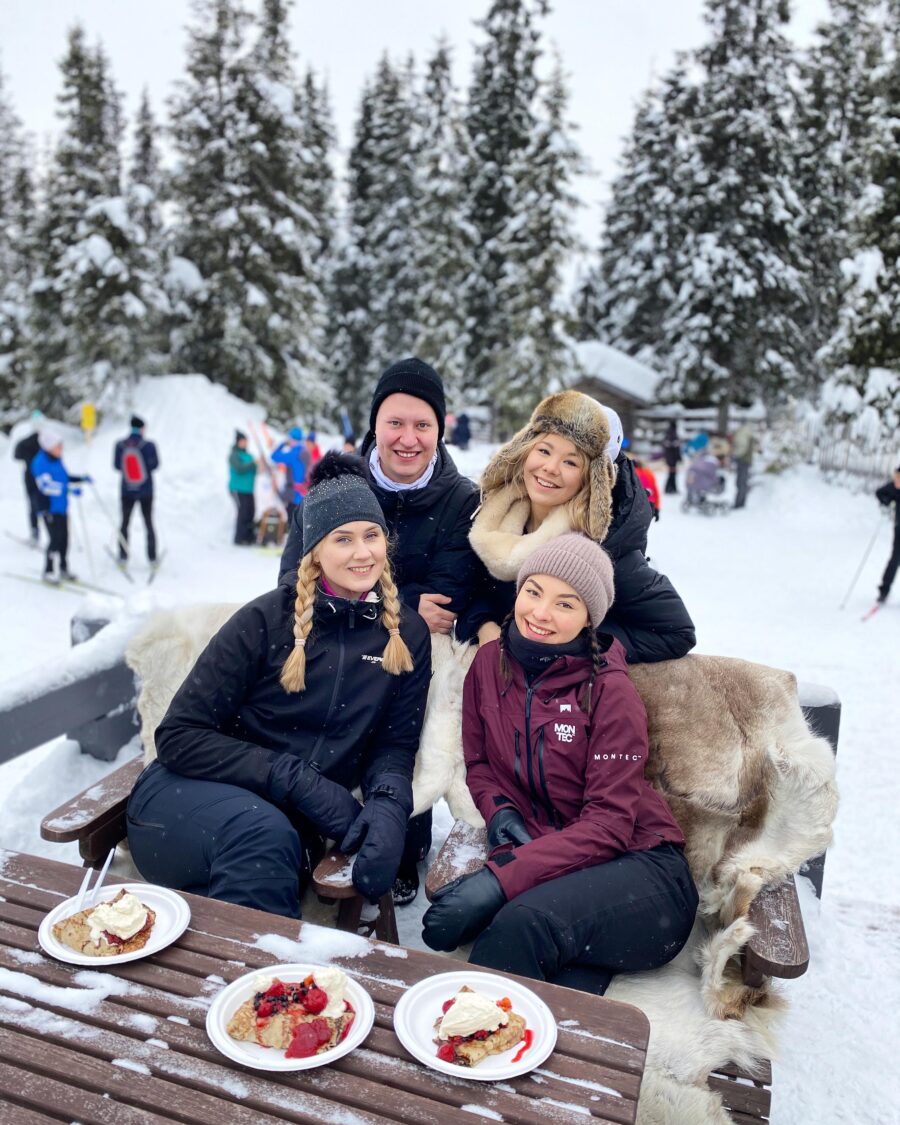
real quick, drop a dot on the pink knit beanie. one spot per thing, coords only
(581, 562)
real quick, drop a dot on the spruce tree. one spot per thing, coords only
(91, 287)
(833, 124)
(445, 241)
(732, 334)
(501, 123)
(318, 141)
(864, 352)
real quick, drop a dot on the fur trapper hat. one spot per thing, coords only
(584, 422)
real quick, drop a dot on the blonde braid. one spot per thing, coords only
(293, 674)
(396, 657)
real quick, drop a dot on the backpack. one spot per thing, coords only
(134, 471)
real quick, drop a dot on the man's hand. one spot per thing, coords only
(489, 631)
(438, 620)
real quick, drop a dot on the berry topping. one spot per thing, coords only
(265, 1009)
(447, 1005)
(276, 988)
(304, 1044)
(446, 1053)
(315, 1001)
(322, 1030)
(505, 1004)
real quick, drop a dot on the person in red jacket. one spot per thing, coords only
(587, 875)
(647, 477)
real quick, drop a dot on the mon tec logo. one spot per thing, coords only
(565, 732)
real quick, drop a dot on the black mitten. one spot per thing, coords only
(461, 910)
(378, 834)
(507, 827)
(331, 807)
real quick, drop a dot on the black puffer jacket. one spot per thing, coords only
(429, 529)
(648, 616)
(232, 721)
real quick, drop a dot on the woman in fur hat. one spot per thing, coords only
(305, 693)
(565, 471)
(587, 874)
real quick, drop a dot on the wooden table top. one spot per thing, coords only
(127, 1043)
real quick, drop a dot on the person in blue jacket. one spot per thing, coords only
(53, 483)
(293, 454)
(136, 459)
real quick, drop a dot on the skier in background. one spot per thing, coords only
(889, 493)
(26, 450)
(648, 480)
(312, 448)
(671, 450)
(242, 465)
(293, 454)
(136, 459)
(742, 445)
(53, 482)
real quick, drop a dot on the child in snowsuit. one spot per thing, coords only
(889, 493)
(587, 875)
(136, 459)
(307, 692)
(53, 482)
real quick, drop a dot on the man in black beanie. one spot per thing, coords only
(136, 459)
(428, 507)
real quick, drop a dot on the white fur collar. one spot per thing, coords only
(498, 533)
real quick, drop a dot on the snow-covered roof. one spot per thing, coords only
(617, 371)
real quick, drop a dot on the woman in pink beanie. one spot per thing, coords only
(587, 875)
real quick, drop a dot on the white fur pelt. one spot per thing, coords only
(162, 654)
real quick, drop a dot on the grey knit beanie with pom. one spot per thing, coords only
(339, 494)
(580, 562)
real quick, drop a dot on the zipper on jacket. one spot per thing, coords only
(334, 694)
(518, 769)
(551, 808)
(528, 750)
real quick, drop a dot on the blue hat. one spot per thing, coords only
(295, 433)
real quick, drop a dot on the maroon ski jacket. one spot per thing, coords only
(577, 779)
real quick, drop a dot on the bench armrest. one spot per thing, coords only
(96, 817)
(464, 852)
(779, 947)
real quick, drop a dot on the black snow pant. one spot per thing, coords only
(58, 530)
(34, 503)
(418, 841)
(890, 571)
(146, 503)
(743, 481)
(218, 840)
(246, 512)
(672, 482)
(625, 916)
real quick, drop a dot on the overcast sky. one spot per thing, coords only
(611, 48)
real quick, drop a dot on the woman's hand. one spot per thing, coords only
(331, 807)
(461, 910)
(507, 827)
(488, 632)
(378, 834)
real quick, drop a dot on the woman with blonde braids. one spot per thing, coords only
(565, 471)
(304, 694)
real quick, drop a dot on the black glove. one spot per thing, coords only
(507, 827)
(378, 834)
(331, 807)
(461, 910)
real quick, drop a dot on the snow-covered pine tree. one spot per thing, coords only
(732, 334)
(501, 123)
(833, 124)
(91, 287)
(318, 140)
(16, 221)
(626, 296)
(374, 286)
(445, 241)
(864, 353)
(538, 355)
(244, 269)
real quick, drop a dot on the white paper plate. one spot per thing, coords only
(418, 1008)
(172, 917)
(230, 999)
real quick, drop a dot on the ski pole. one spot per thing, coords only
(87, 538)
(112, 523)
(868, 551)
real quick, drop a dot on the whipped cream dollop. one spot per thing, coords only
(332, 981)
(471, 1012)
(123, 918)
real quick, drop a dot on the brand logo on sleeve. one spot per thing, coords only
(371, 659)
(617, 757)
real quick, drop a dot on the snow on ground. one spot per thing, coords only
(764, 584)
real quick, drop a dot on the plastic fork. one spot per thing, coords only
(83, 889)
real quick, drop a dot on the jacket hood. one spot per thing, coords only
(632, 513)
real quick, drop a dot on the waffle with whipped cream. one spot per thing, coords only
(122, 925)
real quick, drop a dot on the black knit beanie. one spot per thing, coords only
(411, 377)
(136, 422)
(339, 493)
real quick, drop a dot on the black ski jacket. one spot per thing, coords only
(26, 450)
(429, 529)
(232, 721)
(647, 616)
(890, 494)
(147, 450)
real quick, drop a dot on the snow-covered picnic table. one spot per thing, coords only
(127, 1043)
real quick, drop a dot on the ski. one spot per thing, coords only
(79, 584)
(65, 587)
(154, 567)
(122, 569)
(871, 612)
(32, 543)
